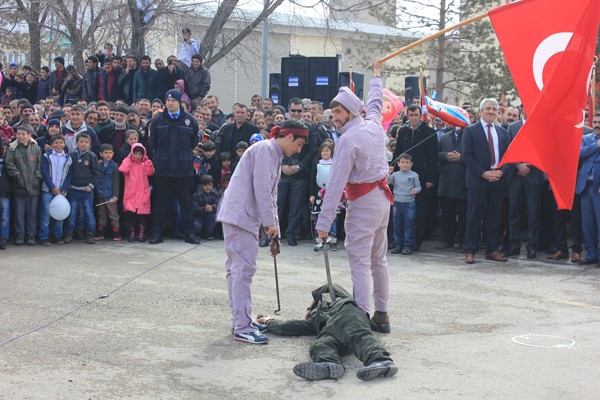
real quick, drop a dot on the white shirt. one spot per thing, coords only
(495, 137)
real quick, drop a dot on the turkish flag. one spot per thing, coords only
(549, 48)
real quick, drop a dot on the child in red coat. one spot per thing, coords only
(136, 168)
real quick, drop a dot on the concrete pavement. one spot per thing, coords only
(135, 321)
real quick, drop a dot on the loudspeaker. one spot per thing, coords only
(359, 82)
(275, 87)
(411, 85)
(322, 79)
(293, 78)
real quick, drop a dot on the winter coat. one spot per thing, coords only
(197, 82)
(43, 89)
(24, 165)
(173, 141)
(137, 189)
(91, 82)
(5, 182)
(47, 184)
(109, 179)
(201, 199)
(72, 89)
(145, 84)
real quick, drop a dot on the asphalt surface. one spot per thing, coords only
(135, 321)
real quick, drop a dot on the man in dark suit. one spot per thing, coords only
(420, 141)
(588, 188)
(451, 189)
(525, 184)
(483, 145)
(326, 129)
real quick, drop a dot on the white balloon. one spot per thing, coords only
(59, 207)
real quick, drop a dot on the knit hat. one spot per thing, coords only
(58, 114)
(349, 100)
(60, 60)
(256, 137)
(174, 94)
(13, 64)
(133, 110)
(54, 121)
(122, 109)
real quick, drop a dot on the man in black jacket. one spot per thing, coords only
(173, 136)
(90, 80)
(420, 141)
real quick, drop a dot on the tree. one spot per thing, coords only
(35, 16)
(79, 20)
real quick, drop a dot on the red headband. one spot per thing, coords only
(278, 131)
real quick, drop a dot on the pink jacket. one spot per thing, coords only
(137, 189)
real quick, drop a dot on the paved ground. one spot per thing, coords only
(120, 320)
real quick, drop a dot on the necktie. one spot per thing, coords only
(491, 144)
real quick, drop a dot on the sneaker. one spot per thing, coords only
(68, 237)
(44, 242)
(262, 328)
(117, 237)
(60, 241)
(333, 246)
(318, 246)
(406, 251)
(316, 371)
(397, 250)
(380, 322)
(99, 236)
(31, 241)
(90, 239)
(2, 243)
(20, 241)
(253, 337)
(376, 369)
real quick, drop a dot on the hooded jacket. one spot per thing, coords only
(136, 197)
(184, 97)
(24, 165)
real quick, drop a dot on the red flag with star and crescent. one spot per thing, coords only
(549, 48)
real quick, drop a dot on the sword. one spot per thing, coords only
(328, 271)
(275, 250)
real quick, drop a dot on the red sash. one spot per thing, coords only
(357, 190)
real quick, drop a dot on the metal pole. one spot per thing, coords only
(265, 45)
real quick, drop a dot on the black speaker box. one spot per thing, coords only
(322, 79)
(411, 84)
(293, 78)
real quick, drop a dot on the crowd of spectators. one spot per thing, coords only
(122, 108)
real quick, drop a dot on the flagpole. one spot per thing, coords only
(350, 82)
(433, 36)
(592, 106)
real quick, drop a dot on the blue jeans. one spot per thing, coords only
(4, 216)
(404, 224)
(45, 219)
(86, 200)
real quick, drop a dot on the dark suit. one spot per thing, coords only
(523, 190)
(451, 189)
(322, 134)
(484, 198)
(588, 187)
